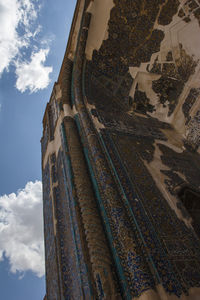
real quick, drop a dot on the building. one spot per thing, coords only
(120, 154)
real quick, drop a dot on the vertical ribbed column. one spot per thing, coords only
(97, 244)
(66, 81)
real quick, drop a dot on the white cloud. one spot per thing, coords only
(33, 75)
(13, 14)
(21, 229)
(10, 42)
(18, 31)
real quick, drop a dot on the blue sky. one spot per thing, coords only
(33, 36)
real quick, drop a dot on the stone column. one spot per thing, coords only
(102, 266)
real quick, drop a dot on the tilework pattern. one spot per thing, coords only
(49, 124)
(122, 230)
(143, 268)
(99, 254)
(155, 219)
(148, 243)
(65, 266)
(125, 250)
(186, 163)
(54, 109)
(50, 241)
(73, 268)
(132, 40)
(194, 130)
(45, 139)
(189, 102)
(66, 81)
(171, 83)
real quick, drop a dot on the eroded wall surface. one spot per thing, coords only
(142, 91)
(121, 164)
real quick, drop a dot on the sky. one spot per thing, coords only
(33, 35)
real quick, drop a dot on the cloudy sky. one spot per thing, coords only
(33, 37)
